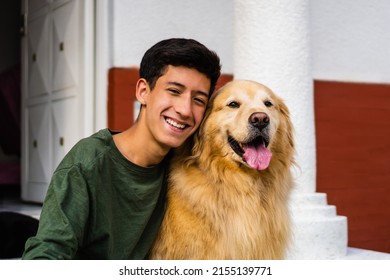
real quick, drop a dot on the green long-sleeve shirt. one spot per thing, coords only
(99, 205)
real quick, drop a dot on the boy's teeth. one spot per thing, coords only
(175, 124)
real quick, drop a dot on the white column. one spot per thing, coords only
(272, 46)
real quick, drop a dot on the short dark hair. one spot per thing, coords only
(179, 52)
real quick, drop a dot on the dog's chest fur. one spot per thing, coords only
(227, 219)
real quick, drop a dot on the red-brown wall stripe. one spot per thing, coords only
(353, 157)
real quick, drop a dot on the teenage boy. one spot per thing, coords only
(106, 198)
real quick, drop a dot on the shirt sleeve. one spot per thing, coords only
(63, 219)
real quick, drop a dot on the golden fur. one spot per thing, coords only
(217, 206)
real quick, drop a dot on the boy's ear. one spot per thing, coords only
(142, 91)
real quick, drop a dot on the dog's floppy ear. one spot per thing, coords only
(286, 130)
(196, 143)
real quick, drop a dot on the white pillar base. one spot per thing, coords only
(318, 233)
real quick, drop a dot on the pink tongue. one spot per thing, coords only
(257, 156)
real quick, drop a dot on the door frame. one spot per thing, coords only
(103, 60)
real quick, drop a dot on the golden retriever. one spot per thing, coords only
(228, 197)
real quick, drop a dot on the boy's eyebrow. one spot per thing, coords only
(183, 86)
(176, 84)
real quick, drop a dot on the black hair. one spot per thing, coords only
(179, 52)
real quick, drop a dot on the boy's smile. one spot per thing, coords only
(175, 124)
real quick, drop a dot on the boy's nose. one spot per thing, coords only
(183, 107)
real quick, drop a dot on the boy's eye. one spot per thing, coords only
(200, 101)
(173, 90)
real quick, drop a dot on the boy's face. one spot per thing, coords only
(176, 105)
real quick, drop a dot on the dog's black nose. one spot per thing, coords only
(259, 120)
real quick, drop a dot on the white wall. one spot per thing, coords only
(137, 25)
(351, 40)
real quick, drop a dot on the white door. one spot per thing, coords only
(57, 56)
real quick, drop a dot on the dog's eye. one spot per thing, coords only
(268, 103)
(234, 104)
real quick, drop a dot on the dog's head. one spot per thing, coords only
(245, 123)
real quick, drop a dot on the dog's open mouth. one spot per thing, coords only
(254, 153)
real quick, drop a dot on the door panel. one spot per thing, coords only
(65, 46)
(35, 5)
(38, 56)
(65, 120)
(38, 144)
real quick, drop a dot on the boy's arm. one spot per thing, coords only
(63, 218)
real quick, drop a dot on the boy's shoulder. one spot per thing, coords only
(94, 143)
(100, 138)
(88, 149)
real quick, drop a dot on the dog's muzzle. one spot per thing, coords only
(254, 150)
